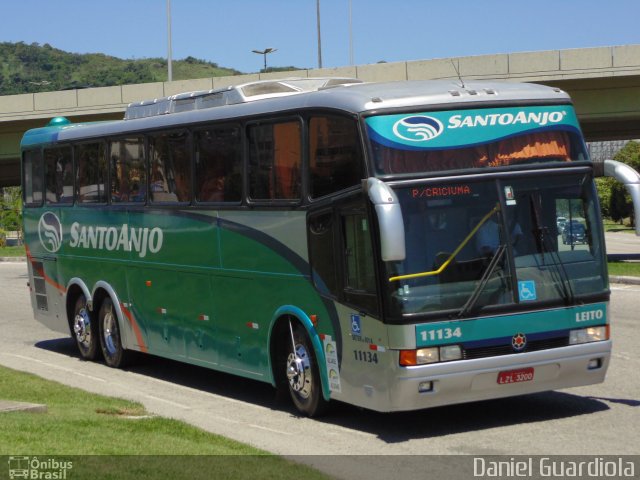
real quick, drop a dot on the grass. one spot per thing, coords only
(12, 251)
(627, 269)
(611, 226)
(92, 429)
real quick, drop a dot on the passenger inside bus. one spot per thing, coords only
(212, 186)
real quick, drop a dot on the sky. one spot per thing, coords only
(226, 32)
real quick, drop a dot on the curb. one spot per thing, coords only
(13, 259)
(624, 280)
(8, 406)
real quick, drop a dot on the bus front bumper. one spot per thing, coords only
(497, 377)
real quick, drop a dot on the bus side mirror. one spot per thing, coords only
(390, 219)
(631, 180)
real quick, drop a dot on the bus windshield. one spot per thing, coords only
(473, 246)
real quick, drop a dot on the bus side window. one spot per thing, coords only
(170, 158)
(275, 153)
(58, 164)
(32, 173)
(322, 252)
(335, 160)
(359, 264)
(128, 170)
(218, 164)
(91, 173)
(359, 254)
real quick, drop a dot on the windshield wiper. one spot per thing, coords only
(562, 272)
(475, 295)
(558, 272)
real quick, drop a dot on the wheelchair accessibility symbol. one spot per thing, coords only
(527, 290)
(355, 324)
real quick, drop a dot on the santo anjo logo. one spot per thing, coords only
(50, 232)
(418, 128)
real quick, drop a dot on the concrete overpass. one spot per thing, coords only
(604, 83)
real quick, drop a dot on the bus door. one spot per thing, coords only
(344, 269)
(341, 254)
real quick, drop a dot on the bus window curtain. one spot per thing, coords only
(287, 155)
(410, 161)
(543, 145)
(511, 151)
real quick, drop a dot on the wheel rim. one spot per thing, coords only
(299, 372)
(82, 328)
(110, 333)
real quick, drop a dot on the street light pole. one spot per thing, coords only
(350, 34)
(264, 53)
(169, 54)
(319, 39)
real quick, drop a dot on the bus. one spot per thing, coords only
(395, 246)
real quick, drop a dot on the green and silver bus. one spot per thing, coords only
(395, 246)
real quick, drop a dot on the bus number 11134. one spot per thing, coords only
(441, 334)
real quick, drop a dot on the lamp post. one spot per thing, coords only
(169, 53)
(319, 39)
(264, 53)
(350, 34)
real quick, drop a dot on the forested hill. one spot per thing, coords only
(41, 68)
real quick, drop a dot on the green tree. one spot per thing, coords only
(604, 186)
(11, 209)
(32, 68)
(629, 154)
(615, 202)
(620, 204)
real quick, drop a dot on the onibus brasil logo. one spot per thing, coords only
(418, 128)
(50, 232)
(34, 468)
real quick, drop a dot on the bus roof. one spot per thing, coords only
(348, 95)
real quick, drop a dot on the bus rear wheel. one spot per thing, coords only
(110, 340)
(302, 373)
(85, 331)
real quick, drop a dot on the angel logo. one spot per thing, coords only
(50, 232)
(418, 128)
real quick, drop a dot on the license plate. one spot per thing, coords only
(515, 376)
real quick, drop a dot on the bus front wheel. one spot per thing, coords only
(302, 373)
(114, 354)
(85, 330)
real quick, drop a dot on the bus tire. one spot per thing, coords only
(302, 372)
(110, 340)
(85, 329)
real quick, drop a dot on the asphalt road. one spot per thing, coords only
(595, 420)
(618, 242)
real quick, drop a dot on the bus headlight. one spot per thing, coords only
(422, 356)
(425, 356)
(588, 335)
(450, 352)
